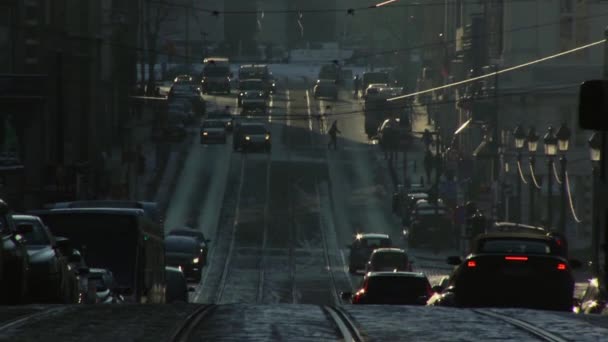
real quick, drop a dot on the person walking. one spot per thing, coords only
(357, 86)
(333, 132)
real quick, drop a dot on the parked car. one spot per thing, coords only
(51, 278)
(196, 234)
(15, 272)
(177, 286)
(185, 253)
(392, 288)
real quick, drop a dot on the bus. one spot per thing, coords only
(216, 75)
(126, 241)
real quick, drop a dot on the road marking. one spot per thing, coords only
(288, 108)
(270, 105)
(262, 268)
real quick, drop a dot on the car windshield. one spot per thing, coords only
(181, 245)
(375, 242)
(516, 246)
(254, 129)
(105, 240)
(216, 71)
(398, 286)
(213, 124)
(251, 85)
(35, 236)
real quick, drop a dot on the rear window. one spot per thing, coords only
(516, 246)
(376, 242)
(390, 259)
(398, 285)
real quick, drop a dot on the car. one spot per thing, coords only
(254, 101)
(375, 77)
(326, 88)
(252, 136)
(177, 286)
(185, 253)
(388, 259)
(255, 86)
(392, 288)
(196, 234)
(258, 71)
(105, 286)
(373, 90)
(226, 118)
(213, 131)
(79, 267)
(15, 260)
(430, 223)
(512, 270)
(390, 134)
(362, 248)
(51, 277)
(561, 243)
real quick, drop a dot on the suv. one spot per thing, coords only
(15, 268)
(362, 248)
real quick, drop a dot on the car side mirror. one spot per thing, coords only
(575, 263)
(454, 260)
(346, 295)
(437, 288)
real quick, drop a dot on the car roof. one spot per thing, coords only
(396, 274)
(22, 217)
(389, 250)
(526, 227)
(372, 236)
(513, 235)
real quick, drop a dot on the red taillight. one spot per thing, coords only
(516, 258)
(561, 266)
(471, 263)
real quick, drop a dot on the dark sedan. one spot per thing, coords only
(186, 254)
(392, 288)
(51, 278)
(196, 234)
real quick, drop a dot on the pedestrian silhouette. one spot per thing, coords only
(333, 131)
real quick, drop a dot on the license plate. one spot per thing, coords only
(516, 271)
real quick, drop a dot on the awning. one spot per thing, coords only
(463, 126)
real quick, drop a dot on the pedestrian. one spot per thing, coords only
(333, 131)
(357, 85)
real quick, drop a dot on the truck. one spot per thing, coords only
(216, 75)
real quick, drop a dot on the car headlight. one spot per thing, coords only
(267, 136)
(195, 261)
(229, 123)
(247, 138)
(205, 133)
(241, 94)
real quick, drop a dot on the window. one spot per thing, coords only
(5, 41)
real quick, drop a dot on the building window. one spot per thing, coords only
(5, 40)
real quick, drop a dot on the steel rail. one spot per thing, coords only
(531, 329)
(24, 319)
(184, 332)
(348, 329)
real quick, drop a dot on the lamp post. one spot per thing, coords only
(520, 139)
(550, 146)
(595, 145)
(532, 142)
(563, 140)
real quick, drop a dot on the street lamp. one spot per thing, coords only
(563, 140)
(595, 145)
(520, 139)
(532, 140)
(550, 146)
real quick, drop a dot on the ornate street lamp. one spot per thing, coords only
(520, 140)
(550, 146)
(563, 141)
(532, 142)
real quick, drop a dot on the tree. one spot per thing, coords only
(155, 15)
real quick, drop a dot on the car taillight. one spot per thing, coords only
(516, 258)
(561, 266)
(471, 263)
